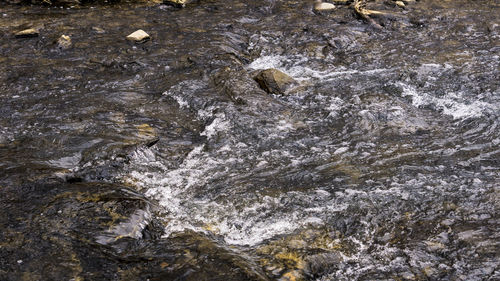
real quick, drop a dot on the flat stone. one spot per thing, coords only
(324, 6)
(64, 42)
(31, 32)
(98, 30)
(138, 36)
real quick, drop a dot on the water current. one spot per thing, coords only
(383, 164)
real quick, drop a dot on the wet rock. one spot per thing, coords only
(30, 32)
(64, 42)
(97, 231)
(293, 275)
(98, 30)
(321, 264)
(185, 62)
(177, 3)
(148, 134)
(407, 275)
(235, 83)
(57, 219)
(320, 6)
(434, 246)
(309, 253)
(383, 115)
(55, 2)
(342, 2)
(400, 4)
(138, 36)
(275, 82)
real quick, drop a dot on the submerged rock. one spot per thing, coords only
(138, 36)
(97, 231)
(305, 255)
(98, 30)
(53, 2)
(148, 134)
(30, 32)
(64, 42)
(321, 264)
(383, 115)
(275, 82)
(236, 84)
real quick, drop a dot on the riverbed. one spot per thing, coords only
(165, 159)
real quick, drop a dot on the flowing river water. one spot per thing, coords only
(382, 164)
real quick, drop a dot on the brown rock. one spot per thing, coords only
(236, 84)
(275, 82)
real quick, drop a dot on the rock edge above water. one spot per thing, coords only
(273, 81)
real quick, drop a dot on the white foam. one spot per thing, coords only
(266, 62)
(452, 104)
(341, 150)
(334, 107)
(297, 68)
(68, 162)
(241, 221)
(182, 103)
(133, 227)
(228, 165)
(219, 124)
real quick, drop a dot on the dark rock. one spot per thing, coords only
(96, 231)
(236, 84)
(275, 82)
(383, 115)
(321, 264)
(55, 2)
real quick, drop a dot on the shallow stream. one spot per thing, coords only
(383, 164)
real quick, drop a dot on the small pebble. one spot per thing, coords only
(138, 36)
(400, 3)
(98, 30)
(64, 42)
(323, 6)
(31, 32)
(19, 261)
